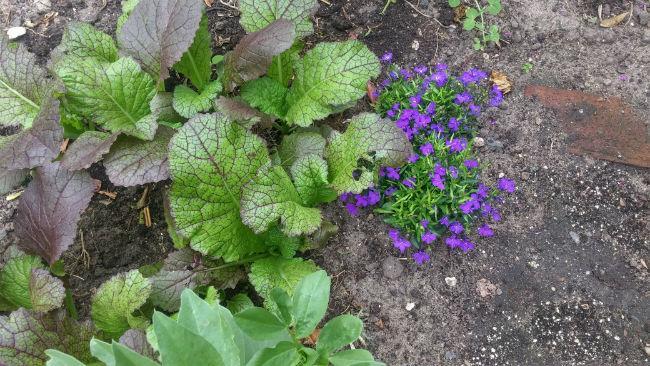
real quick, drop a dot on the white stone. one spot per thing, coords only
(451, 281)
(15, 32)
(410, 306)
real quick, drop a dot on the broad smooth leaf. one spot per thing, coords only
(133, 162)
(367, 137)
(270, 196)
(124, 356)
(339, 332)
(179, 346)
(239, 303)
(354, 357)
(329, 78)
(215, 324)
(34, 146)
(50, 208)
(158, 32)
(24, 337)
(23, 84)
(116, 300)
(253, 55)
(269, 273)
(87, 149)
(283, 354)
(283, 303)
(260, 324)
(310, 300)
(58, 358)
(257, 14)
(211, 159)
(196, 63)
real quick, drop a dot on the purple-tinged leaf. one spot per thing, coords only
(158, 32)
(133, 162)
(136, 339)
(239, 111)
(254, 54)
(46, 292)
(88, 149)
(37, 145)
(10, 179)
(50, 208)
(24, 337)
(167, 288)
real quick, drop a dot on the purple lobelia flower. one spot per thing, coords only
(391, 113)
(424, 223)
(486, 209)
(344, 197)
(441, 67)
(392, 173)
(472, 76)
(409, 182)
(387, 57)
(373, 197)
(415, 100)
(506, 185)
(470, 206)
(496, 216)
(496, 96)
(466, 245)
(439, 170)
(421, 257)
(453, 124)
(421, 69)
(437, 181)
(393, 234)
(393, 75)
(453, 171)
(428, 237)
(485, 231)
(444, 221)
(401, 244)
(470, 164)
(431, 109)
(390, 191)
(406, 74)
(456, 227)
(440, 77)
(413, 158)
(426, 149)
(453, 242)
(462, 98)
(352, 209)
(361, 201)
(482, 190)
(437, 128)
(422, 121)
(474, 110)
(457, 145)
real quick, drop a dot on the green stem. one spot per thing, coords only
(236, 263)
(69, 305)
(480, 11)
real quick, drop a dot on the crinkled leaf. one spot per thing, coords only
(188, 102)
(158, 32)
(50, 208)
(253, 55)
(23, 84)
(133, 162)
(162, 107)
(310, 178)
(281, 69)
(87, 149)
(167, 288)
(298, 145)
(211, 159)
(257, 14)
(238, 303)
(15, 279)
(115, 95)
(367, 137)
(237, 110)
(46, 292)
(24, 337)
(127, 8)
(116, 300)
(82, 40)
(34, 146)
(328, 78)
(196, 63)
(267, 95)
(269, 273)
(10, 179)
(271, 196)
(279, 243)
(136, 339)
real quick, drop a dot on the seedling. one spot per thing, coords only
(527, 67)
(475, 20)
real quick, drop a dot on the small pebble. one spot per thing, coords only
(410, 306)
(479, 141)
(525, 176)
(574, 236)
(451, 281)
(15, 32)
(533, 264)
(415, 45)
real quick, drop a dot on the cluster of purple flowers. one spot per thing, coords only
(354, 202)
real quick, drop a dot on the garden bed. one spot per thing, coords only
(565, 279)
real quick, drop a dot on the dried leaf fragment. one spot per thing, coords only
(614, 21)
(501, 81)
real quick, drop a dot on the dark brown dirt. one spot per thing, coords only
(569, 262)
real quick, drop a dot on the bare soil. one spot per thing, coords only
(564, 281)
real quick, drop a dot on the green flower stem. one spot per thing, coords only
(236, 263)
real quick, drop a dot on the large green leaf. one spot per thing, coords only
(179, 346)
(23, 85)
(257, 14)
(58, 358)
(14, 280)
(354, 357)
(298, 145)
(281, 69)
(269, 273)
(367, 137)
(271, 196)
(115, 95)
(211, 159)
(81, 41)
(310, 299)
(283, 354)
(310, 178)
(339, 332)
(196, 63)
(267, 95)
(188, 102)
(116, 300)
(260, 324)
(328, 79)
